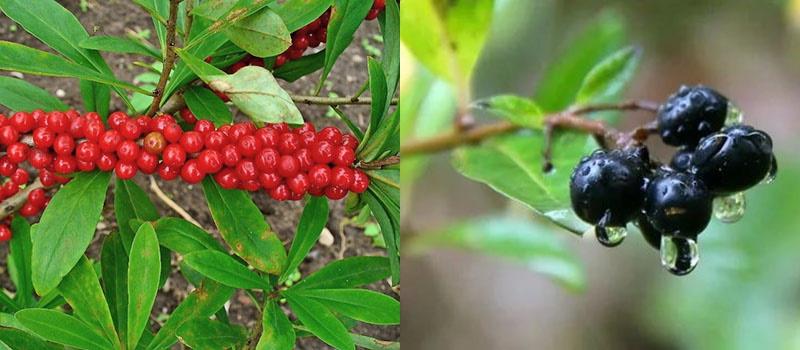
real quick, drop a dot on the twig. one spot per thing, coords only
(343, 238)
(335, 101)
(169, 61)
(187, 25)
(479, 133)
(15, 202)
(380, 164)
(254, 338)
(170, 203)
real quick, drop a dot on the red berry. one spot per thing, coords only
(306, 127)
(322, 152)
(8, 135)
(109, 141)
(17, 152)
(116, 119)
(268, 137)
(289, 143)
(7, 168)
(144, 123)
(295, 53)
(330, 134)
(342, 177)
(248, 146)
(93, 117)
(301, 43)
(22, 122)
(58, 122)
(154, 143)
(360, 181)
(128, 151)
(308, 137)
(344, 156)
(209, 161)
(215, 140)
(174, 155)
(38, 159)
(313, 39)
(188, 116)
(76, 127)
(304, 158)
(20, 177)
(319, 176)
(5, 233)
(314, 25)
(37, 197)
(28, 210)
(280, 193)
(239, 130)
(288, 166)
(246, 170)
(87, 151)
(43, 138)
(93, 130)
(250, 185)
(191, 173)
(130, 129)
(280, 60)
(230, 156)
(64, 144)
(192, 141)
(298, 184)
(349, 141)
(147, 162)
(379, 4)
(9, 189)
(269, 180)
(227, 179)
(85, 166)
(39, 116)
(160, 123)
(106, 162)
(335, 192)
(167, 172)
(203, 126)
(46, 178)
(125, 170)
(64, 165)
(172, 132)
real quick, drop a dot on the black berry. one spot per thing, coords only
(650, 233)
(678, 204)
(690, 114)
(734, 159)
(682, 160)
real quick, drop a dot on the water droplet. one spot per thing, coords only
(730, 209)
(773, 172)
(610, 236)
(734, 116)
(679, 255)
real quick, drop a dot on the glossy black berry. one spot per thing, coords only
(650, 233)
(682, 160)
(733, 159)
(606, 188)
(678, 204)
(690, 114)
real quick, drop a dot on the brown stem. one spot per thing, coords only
(12, 204)
(169, 61)
(335, 101)
(479, 133)
(380, 164)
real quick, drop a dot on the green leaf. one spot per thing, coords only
(96, 97)
(525, 242)
(182, 74)
(387, 213)
(298, 13)
(211, 335)
(390, 26)
(62, 328)
(374, 344)
(198, 66)
(560, 82)
(19, 260)
(20, 95)
(313, 220)
(243, 227)
(446, 38)
(184, 237)
(609, 77)
(207, 105)
(201, 303)
(9, 303)
(144, 269)
(377, 86)
(82, 291)
(224, 269)
(17, 57)
(256, 93)
(131, 202)
(114, 268)
(296, 69)
(59, 243)
(262, 34)
(516, 109)
(17, 339)
(512, 166)
(347, 273)
(119, 45)
(346, 17)
(233, 14)
(320, 321)
(277, 333)
(359, 304)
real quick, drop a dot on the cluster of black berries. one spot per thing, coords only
(611, 188)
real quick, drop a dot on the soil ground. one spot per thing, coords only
(113, 18)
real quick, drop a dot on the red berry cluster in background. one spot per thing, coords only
(284, 161)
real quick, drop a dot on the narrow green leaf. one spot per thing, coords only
(359, 304)
(131, 202)
(20, 95)
(22, 340)
(298, 13)
(516, 109)
(320, 321)
(347, 273)
(243, 227)
(58, 243)
(346, 16)
(207, 105)
(256, 93)
(8, 303)
(377, 87)
(224, 269)
(609, 77)
(114, 267)
(183, 237)
(234, 14)
(119, 45)
(293, 70)
(82, 291)
(390, 26)
(313, 220)
(61, 328)
(198, 66)
(262, 34)
(182, 74)
(201, 303)
(521, 241)
(277, 333)
(96, 97)
(370, 343)
(19, 260)
(387, 216)
(144, 269)
(200, 334)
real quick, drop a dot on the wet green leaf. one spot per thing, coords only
(609, 76)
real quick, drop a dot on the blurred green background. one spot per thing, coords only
(745, 293)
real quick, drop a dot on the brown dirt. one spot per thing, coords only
(112, 18)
